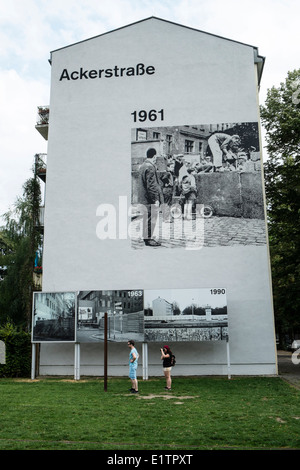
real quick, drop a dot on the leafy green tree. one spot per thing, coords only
(281, 118)
(19, 240)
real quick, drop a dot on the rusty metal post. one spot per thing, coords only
(105, 352)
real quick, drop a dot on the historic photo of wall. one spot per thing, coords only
(142, 315)
(207, 180)
(186, 315)
(125, 315)
(54, 317)
(152, 315)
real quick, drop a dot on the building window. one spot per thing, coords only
(189, 146)
(156, 135)
(169, 142)
(141, 134)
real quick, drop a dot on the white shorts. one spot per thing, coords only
(166, 369)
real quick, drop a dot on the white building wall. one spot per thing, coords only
(199, 78)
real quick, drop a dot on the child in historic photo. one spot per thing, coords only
(188, 195)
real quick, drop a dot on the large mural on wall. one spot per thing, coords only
(141, 315)
(197, 185)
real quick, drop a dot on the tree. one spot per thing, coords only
(281, 118)
(19, 240)
(176, 308)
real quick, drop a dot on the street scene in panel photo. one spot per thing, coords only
(199, 184)
(186, 315)
(125, 315)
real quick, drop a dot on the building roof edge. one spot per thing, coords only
(257, 58)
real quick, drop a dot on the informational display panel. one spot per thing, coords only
(2, 353)
(125, 315)
(144, 316)
(54, 317)
(186, 315)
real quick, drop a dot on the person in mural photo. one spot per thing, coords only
(150, 195)
(133, 364)
(188, 195)
(167, 180)
(166, 357)
(168, 184)
(205, 165)
(224, 148)
(179, 167)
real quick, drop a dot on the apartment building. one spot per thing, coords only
(158, 85)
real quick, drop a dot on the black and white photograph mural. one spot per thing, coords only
(142, 315)
(186, 315)
(125, 315)
(197, 185)
(54, 317)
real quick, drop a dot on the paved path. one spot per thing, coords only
(214, 231)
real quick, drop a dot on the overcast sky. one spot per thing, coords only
(31, 29)
(185, 297)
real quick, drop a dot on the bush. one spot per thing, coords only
(18, 352)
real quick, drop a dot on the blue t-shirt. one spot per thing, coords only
(135, 363)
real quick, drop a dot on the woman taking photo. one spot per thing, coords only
(166, 357)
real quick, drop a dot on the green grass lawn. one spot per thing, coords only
(199, 414)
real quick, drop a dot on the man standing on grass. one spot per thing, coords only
(133, 363)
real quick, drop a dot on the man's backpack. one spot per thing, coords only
(173, 360)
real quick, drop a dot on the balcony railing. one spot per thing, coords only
(39, 224)
(41, 165)
(41, 216)
(43, 121)
(43, 115)
(37, 281)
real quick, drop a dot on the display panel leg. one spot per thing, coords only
(33, 357)
(77, 361)
(145, 361)
(228, 358)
